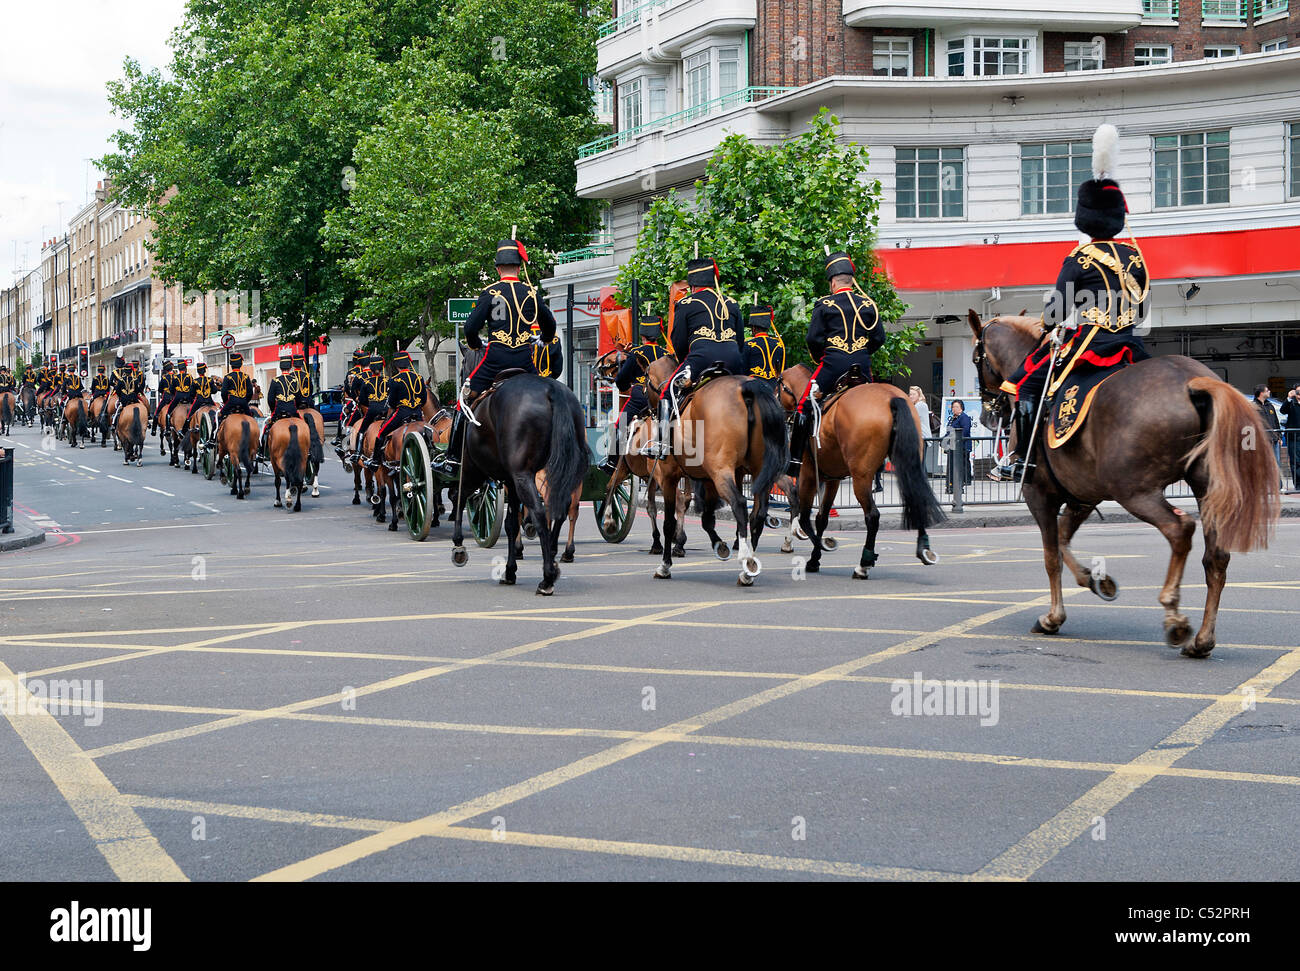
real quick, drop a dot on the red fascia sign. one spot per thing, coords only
(272, 352)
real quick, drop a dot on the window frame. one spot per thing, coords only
(1078, 155)
(1091, 48)
(1273, 46)
(915, 161)
(1179, 183)
(690, 72)
(1167, 48)
(1292, 139)
(892, 53)
(1220, 48)
(973, 45)
(630, 93)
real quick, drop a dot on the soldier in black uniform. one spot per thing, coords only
(372, 403)
(6, 379)
(351, 389)
(236, 389)
(707, 330)
(844, 331)
(183, 386)
(166, 392)
(405, 402)
(72, 386)
(99, 385)
(129, 385)
(201, 391)
(507, 311)
(548, 358)
(306, 384)
(631, 380)
(764, 351)
(1103, 286)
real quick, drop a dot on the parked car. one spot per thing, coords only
(329, 403)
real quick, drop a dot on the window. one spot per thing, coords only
(1160, 9)
(1085, 55)
(931, 183)
(1192, 169)
(1050, 176)
(658, 97)
(728, 71)
(1269, 8)
(696, 68)
(891, 56)
(1293, 142)
(1232, 11)
(988, 56)
(1145, 55)
(629, 105)
(1273, 45)
(1222, 50)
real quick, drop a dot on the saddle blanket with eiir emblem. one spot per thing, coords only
(1069, 408)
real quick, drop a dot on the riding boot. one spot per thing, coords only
(1026, 408)
(798, 442)
(449, 465)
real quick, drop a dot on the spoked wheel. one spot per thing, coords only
(208, 444)
(486, 509)
(415, 487)
(623, 509)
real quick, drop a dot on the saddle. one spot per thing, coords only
(509, 372)
(1068, 408)
(848, 380)
(715, 370)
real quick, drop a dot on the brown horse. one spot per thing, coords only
(95, 418)
(237, 437)
(190, 440)
(859, 430)
(386, 475)
(172, 424)
(47, 407)
(132, 422)
(8, 402)
(730, 426)
(289, 445)
(317, 448)
(1151, 424)
(74, 418)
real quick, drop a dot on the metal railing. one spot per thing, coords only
(980, 490)
(630, 18)
(1160, 9)
(599, 246)
(1228, 11)
(681, 118)
(1266, 8)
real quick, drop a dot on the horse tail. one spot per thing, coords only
(316, 447)
(921, 508)
(763, 406)
(292, 461)
(1242, 504)
(137, 429)
(245, 443)
(6, 410)
(567, 464)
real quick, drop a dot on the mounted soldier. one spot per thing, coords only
(764, 350)
(236, 389)
(1100, 298)
(405, 403)
(548, 358)
(129, 385)
(201, 391)
(99, 385)
(708, 330)
(844, 331)
(166, 392)
(631, 381)
(306, 384)
(281, 396)
(372, 402)
(507, 311)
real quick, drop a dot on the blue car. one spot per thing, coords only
(329, 403)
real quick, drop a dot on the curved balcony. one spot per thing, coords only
(1101, 16)
(657, 30)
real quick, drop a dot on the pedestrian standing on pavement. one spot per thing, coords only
(959, 420)
(1291, 412)
(1269, 417)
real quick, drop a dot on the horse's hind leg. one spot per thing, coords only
(1215, 562)
(1044, 513)
(570, 547)
(652, 507)
(708, 503)
(278, 503)
(1178, 528)
(862, 488)
(749, 565)
(1095, 578)
(670, 488)
(356, 485)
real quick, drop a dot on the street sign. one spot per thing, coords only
(458, 311)
(227, 340)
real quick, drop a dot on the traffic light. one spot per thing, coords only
(83, 359)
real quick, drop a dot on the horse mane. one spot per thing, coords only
(1029, 326)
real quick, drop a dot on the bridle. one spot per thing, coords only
(995, 401)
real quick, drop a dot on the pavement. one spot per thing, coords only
(307, 696)
(25, 533)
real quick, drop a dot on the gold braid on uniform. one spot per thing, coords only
(720, 316)
(859, 343)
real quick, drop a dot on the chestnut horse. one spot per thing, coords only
(730, 426)
(74, 416)
(237, 437)
(132, 420)
(8, 402)
(861, 428)
(290, 446)
(1151, 424)
(190, 440)
(173, 422)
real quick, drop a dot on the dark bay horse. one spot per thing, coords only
(290, 446)
(730, 426)
(526, 426)
(74, 417)
(237, 437)
(1150, 424)
(8, 403)
(863, 426)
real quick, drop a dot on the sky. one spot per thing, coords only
(54, 111)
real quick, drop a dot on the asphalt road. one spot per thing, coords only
(309, 696)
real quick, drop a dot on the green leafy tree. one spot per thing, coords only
(766, 215)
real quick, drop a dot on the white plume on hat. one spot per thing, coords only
(1105, 152)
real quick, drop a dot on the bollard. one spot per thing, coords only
(6, 490)
(957, 468)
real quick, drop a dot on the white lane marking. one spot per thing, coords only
(88, 469)
(202, 506)
(64, 461)
(119, 479)
(170, 495)
(140, 529)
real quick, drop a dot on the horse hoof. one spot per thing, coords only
(315, 493)
(507, 581)
(1177, 631)
(278, 504)
(545, 591)
(799, 533)
(927, 556)
(860, 573)
(721, 550)
(1044, 628)
(750, 567)
(830, 543)
(656, 548)
(459, 556)
(812, 568)
(663, 573)
(744, 580)
(773, 522)
(1198, 652)
(567, 557)
(392, 527)
(1106, 588)
(356, 500)
(679, 551)
(787, 547)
